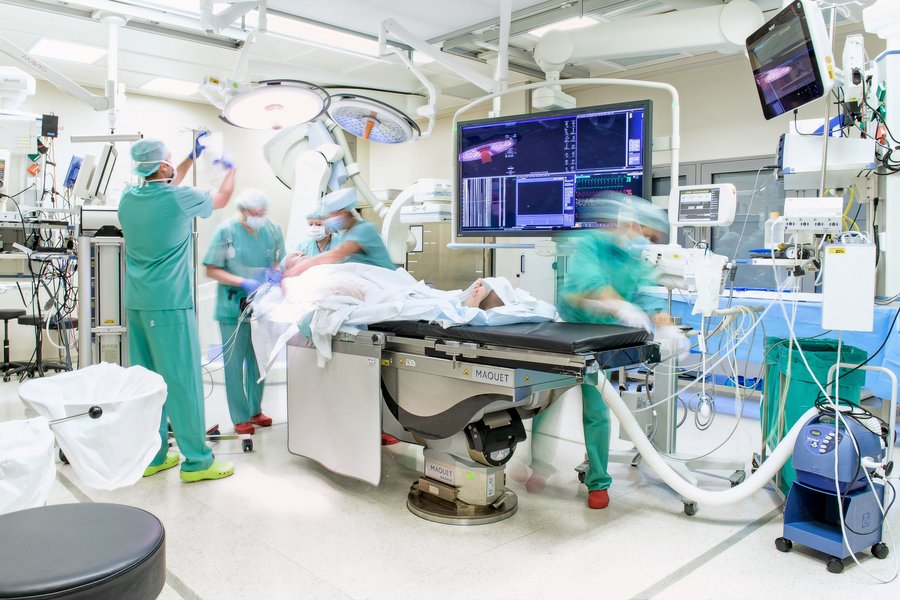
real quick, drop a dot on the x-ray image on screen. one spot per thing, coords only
(522, 175)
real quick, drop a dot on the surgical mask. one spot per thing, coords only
(256, 223)
(636, 245)
(159, 162)
(316, 232)
(335, 224)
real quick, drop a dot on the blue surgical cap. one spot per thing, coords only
(252, 199)
(340, 200)
(315, 214)
(147, 155)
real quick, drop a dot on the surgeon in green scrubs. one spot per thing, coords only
(156, 219)
(359, 240)
(240, 253)
(318, 240)
(601, 285)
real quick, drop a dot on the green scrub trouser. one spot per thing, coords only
(595, 418)
(241, 372)
(165, 342)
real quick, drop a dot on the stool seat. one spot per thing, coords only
(8, 314)
(80, 551)
(32, 320)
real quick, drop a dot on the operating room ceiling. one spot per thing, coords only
(163, 39)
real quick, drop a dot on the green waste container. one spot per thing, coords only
(802, 390)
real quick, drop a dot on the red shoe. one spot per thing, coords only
(244, 428)
(535, 484)
(261, 420)
(598, 498)
(388, 440)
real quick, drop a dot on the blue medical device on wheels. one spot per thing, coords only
(811, 514)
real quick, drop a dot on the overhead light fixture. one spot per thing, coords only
(371, 119)
(274, 104)
(420, 58)
(565, 25)
(176, 87)
(316, 34)
(186, 6)
(70, 51)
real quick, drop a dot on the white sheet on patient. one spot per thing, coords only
(347, 297)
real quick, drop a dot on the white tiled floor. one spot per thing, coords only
(283, 527)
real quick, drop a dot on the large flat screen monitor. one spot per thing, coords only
(537, 174)
(791, 59)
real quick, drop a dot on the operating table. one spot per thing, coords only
(461, 392)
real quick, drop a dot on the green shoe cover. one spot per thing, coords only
(218, 470)
(172, 460)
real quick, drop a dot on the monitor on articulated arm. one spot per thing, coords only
(791, 58)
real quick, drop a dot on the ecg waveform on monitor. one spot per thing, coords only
(588, 187)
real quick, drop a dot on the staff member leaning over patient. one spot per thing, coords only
(358, 242)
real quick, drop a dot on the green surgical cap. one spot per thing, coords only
(147, 155)
(340, 200)
(316, 214)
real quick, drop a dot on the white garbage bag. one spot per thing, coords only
(112, 451)
(27, 464)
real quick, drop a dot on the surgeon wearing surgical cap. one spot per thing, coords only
(157, 218)
(601, 285)
(318, 239)
(359, 240)
(240, 253)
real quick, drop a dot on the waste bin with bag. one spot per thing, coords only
(113, 451)
(787, 376)
(27, 465)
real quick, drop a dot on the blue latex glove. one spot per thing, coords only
(199, 147)
(274, 276)
(250, 285)
(225, 162)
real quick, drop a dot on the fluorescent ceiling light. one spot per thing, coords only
(316, 35)
(187, 6)
(565, 25)
(177, 87)
(70, 51)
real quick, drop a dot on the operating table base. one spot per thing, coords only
(456, 512)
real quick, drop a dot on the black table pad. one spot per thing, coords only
(563, 338)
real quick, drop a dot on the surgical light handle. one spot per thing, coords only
(675, 142)
(892, 421)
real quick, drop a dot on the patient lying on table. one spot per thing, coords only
(348, 296)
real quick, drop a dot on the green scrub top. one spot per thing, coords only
(244, 254)
(601, 260)
(373, 252)
(310, 247)
(156, 221)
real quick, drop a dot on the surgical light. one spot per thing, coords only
(176, 87)
(371, 119)
(275, 104)
(72, 52)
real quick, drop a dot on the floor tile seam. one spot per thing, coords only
(703, 558)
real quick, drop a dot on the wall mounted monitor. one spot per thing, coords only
(791, 59)
(543, 173)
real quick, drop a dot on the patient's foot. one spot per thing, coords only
(479, 292)
(598, 498)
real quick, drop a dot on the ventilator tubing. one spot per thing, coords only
(651, 456)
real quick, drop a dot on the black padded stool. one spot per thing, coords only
(39, 366)
(82, 552)
(6, 315)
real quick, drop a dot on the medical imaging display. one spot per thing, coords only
(531, 174)
(784, 65)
